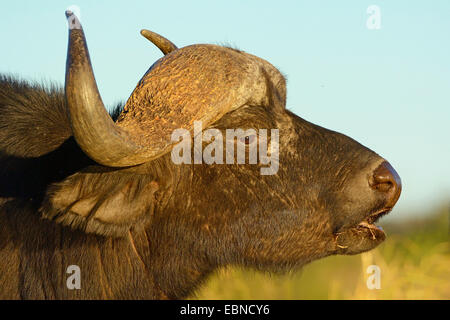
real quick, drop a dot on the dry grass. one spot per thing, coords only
(414, 263)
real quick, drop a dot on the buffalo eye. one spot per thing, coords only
(248, 139)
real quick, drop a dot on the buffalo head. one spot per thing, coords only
(322, 198)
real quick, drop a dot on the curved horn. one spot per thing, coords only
(94, 130)
(195, 83)
(165, 45)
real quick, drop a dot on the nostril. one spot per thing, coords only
(385, 179)
(383, 186)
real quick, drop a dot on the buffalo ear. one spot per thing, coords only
(105, 203)
(33, 119)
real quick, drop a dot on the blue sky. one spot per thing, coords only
(388, 88)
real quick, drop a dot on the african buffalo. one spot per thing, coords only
(81, 187)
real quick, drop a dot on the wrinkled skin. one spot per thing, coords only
(197, 217)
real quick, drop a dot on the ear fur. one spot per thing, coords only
(107, 203)
(33, 119)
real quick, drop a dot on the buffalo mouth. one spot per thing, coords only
(362, 236)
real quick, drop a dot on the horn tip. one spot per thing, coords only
(72, 19)
(68, 13)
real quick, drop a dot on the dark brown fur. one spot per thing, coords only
(197, 217)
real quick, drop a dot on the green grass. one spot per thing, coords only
(414, 263)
